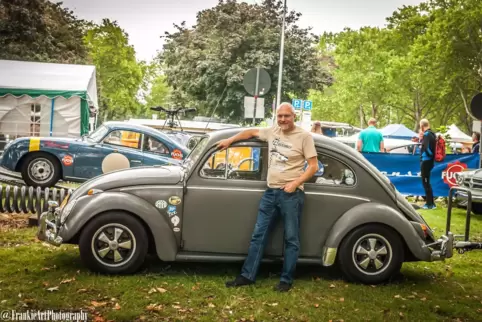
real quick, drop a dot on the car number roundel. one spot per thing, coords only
(176, 154)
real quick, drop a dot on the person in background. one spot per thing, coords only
(370, 139)
(476, 145)
(427, 158)
(316, 128)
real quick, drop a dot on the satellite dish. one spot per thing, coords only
(476, 106)
(264, 81)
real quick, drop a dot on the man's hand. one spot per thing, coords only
(224, 144)
(290, 187)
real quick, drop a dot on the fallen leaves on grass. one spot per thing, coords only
(332, 286)
(154, 307)
(117, 306)
(211, 305)
(317, 305)
(14, 221)
(157, 290)
(98, 304)
(52, 289)
(68, 281)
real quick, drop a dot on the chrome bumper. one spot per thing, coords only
(444, 247)
(476, 196)
(49, 225)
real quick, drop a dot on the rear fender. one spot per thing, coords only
(373, 213)
(87, 207)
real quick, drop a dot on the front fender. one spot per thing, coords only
(373, 213)
(87, 207)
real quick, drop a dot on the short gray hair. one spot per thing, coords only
(424, 122)
(288, 105)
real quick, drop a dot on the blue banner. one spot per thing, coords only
(403, 170)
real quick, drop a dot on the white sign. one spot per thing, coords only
(476, 126)
(306, 121)
(249, 107)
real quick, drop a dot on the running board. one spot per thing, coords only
(229, 258)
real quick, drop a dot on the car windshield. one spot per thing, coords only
(98, 134)
(195, 154)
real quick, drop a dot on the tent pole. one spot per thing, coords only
(52, 116)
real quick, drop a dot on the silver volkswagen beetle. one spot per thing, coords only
(205, 210)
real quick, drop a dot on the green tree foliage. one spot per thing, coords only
(427, 63)
(39, 30)
(119, 75)
(206, 63)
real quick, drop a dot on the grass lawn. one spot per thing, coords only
(36, 276)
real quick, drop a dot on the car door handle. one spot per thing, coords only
(135, 161)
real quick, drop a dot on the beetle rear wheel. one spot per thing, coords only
(113, 243)
(371, 254)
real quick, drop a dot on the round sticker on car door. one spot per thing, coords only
(174, 200)
(67, 160)
(176, 154)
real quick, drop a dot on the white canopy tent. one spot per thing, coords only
(45, 99)
(456, 135)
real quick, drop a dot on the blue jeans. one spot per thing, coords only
(273, 203)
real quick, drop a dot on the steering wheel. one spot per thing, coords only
(232, 172)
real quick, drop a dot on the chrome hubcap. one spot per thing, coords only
(41, 170)
(372, 254)
(113, 245)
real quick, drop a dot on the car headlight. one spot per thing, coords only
(459, 177)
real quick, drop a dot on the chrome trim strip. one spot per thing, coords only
(329, 256)
(224, 188)
(151, 187)
(262, 190)
(337, 195)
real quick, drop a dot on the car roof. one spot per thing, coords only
(320, 140)
(137, 127)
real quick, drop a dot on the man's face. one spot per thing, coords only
(286, 118)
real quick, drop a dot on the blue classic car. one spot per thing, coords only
(44, 161)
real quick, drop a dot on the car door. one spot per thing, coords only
(90, 159)
(222, 199)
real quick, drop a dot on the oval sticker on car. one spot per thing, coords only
(176, 154)
(175, 200)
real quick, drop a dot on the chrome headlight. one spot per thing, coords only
(460, 177)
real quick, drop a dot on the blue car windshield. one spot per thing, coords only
(98, 134)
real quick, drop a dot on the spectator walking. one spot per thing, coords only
(370, 139)
(427, 158)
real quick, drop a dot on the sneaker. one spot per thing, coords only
(282, 287)
(239, 281)
(429, 207)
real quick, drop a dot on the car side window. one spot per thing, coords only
(332, 172)
(153, 145)
(235, 163)
(128, 139)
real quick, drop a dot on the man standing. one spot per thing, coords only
(289, 147)
(370, 139)
(427, 156)
(476, 145)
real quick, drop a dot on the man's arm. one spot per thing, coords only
(244, 135)
(382, 144)
(359, 145)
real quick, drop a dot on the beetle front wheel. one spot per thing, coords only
(113, 243)
(371, 254)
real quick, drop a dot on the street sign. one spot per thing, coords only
(297, 103)
(257, 82)
(249, 107)
(307, 105)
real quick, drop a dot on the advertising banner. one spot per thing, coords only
(403, 170)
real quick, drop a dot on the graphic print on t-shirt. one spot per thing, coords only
(277, 154)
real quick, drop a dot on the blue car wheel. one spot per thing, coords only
(41, 170)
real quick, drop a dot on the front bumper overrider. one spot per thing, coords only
(49, 225)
